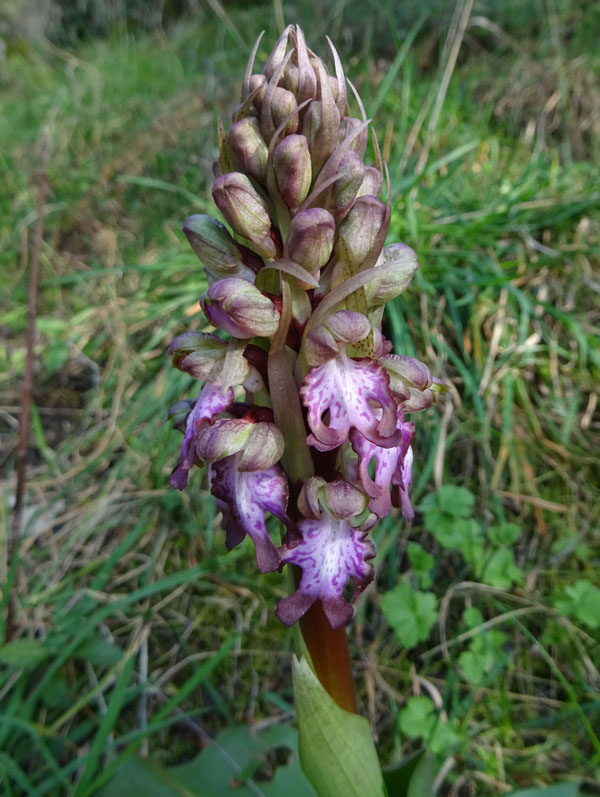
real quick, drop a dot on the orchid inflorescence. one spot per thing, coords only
(302, 413)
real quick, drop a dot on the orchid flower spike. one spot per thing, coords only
(302, 408)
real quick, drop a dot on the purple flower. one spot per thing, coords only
(392, 470)
(209, 403)
(244, 497)
(331, 552)
(345, 388)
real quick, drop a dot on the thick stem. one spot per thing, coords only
(329, 652)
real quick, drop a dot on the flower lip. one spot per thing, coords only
(330, 553)
(346, 388)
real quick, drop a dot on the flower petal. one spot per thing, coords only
(209, 403)
(244, 497)
(392, 469)
(331, 552)
(344, 388)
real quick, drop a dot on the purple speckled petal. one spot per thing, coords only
(344, 388)
(400, 494)
(244, 497)
(208, 404)
(392, 469)
(331, 552)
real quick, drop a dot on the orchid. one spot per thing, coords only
(303, 409)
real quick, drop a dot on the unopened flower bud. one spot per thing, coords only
(343, 499)
(258, 84)
(202, 356)
(382, 290)
(219, 253)
(290, 78)
(178, 414)
(411, 382)
(291, 163)
(339, 329)
(263, 449)
(372, 183)
(245, 210)
(261, 443)
(321, 125)
(222, 438)
(341, 195)
(310, 238)
(283, 103)
(359, 230)
(340, 498)
(238, 307)
(249, 147)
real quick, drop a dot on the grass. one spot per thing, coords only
(131, 626)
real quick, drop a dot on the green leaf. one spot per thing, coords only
(556, 790)
(484, 658)
(456, 501)
(443, 738)
(23, 654)
(501, 570)
(421, 563)
(226, 766)
(419, 719)
(100, 652)
(582, 601)
(412, 777)
(56, 355)
(336, 749)
(504, 534)
(410, 613)
(472, 547)
(472, 617)
(456, 533)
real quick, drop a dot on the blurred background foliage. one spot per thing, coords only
(125, 626)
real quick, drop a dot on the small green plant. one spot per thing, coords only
(410, 612)
(420, 720)
(580, 600)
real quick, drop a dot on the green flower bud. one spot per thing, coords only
(291, 164)
(258, 83)
(310, 238)
(239, 308)
(411, 382)
(340, 197)
(340, 498)
(321, 125)
(339, 329)
(383, 290)
(283, 103)
(249, 147)
(359, 230)
(219, 253)
(372, 183)
(245, 210)
(290, 78)
(261, 443)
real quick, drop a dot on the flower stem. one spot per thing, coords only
(329, 652)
